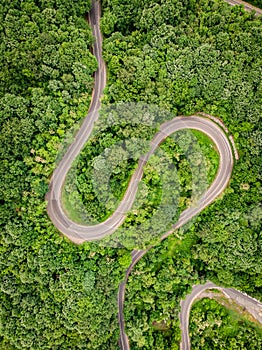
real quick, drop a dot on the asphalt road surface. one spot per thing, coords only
(247, 7)
(80, 233)
(251, 305)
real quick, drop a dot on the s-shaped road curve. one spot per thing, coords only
(80, 233)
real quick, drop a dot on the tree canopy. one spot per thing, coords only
(183, 56)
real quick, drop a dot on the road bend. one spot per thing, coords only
(253, 306)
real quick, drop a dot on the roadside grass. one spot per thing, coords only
(236, 312)
(71, 208)
(210, 153)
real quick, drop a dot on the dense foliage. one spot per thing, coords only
(212, 326)
(156, 286)
(180, 168)
(182, 56)
(188, 57)
(53, 295)
(203, 56)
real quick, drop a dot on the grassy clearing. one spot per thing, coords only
(237, 312)
(71, 208)
(210, 153)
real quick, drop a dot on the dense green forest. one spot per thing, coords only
(189, 57)
(154, 291)
(212, 63)
(53, 294)
(212, 326)
(209, 62)
(180, 168)
(184, 57)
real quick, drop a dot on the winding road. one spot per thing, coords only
(81, 233)
(54, 207)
